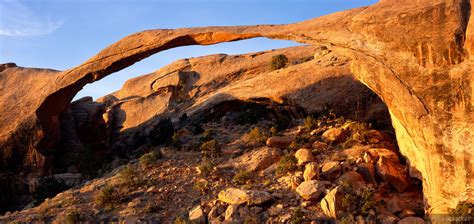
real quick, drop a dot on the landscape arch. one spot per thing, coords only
(424, 76)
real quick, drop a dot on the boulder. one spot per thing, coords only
(393, 173)
(311, 189)
(334, 135)
(352, 179)
(258, 197)
(235, 196)
(281, 142)
(319, 146)
(331, 204)
(331, 170)
(376, 153)
(367, 171)
(295, 181)
(257, 160)
(385, 216)
(304, 156)
(376, 136)
(311, 171)
(232, 214)
(406, 212)
(197, 215)
(236, 214)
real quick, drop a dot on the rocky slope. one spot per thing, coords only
(341, 164)
(422, 72)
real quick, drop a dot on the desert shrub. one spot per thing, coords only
(48, 187)
(251, 220)
(359, 134)
(196, 129)
(286, 164)
(106, 197)
(297, 216)
(74, 217)
(358, 203)
(256, 137)
(175, 141)
(278, 61)
(149, 159)
(151, 207)
(206, 167)
(180, 220)
(310, 123)
(201, 186)
(241, 177)
(210, 149)
(301, 140)
(273, 131)
(129, 176)
(367, 201)
(267, 183)
(348, 219)
(183, 117)
(162, 132)
(463, 213)
(208, 135)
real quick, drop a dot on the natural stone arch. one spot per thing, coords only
(422, 72)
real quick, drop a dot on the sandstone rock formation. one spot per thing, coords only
(415, 55)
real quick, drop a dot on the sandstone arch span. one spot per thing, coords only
(414, 55)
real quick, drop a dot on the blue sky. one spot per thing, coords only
(61, 34)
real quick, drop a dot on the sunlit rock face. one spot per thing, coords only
(415, 55)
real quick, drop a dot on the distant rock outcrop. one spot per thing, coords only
(415, 55)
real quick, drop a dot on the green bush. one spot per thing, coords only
(208, 135)
(348, 219)
(256, 137)
(210, 149)
(180, 220)
(196, 128)
(302, 140)
(74, 217)
(162, 132)
(310, 123)
(286, 164)
(151, 207)
(149, 159)
(201, 186)
(297, 216)
(273, 131)
(129, 176)
(175, 141)
(107, 197)
(358, 203)
(241, 177)
(206, 167)
(48, 187)
(278, 62)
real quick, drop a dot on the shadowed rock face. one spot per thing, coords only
(415, 55)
